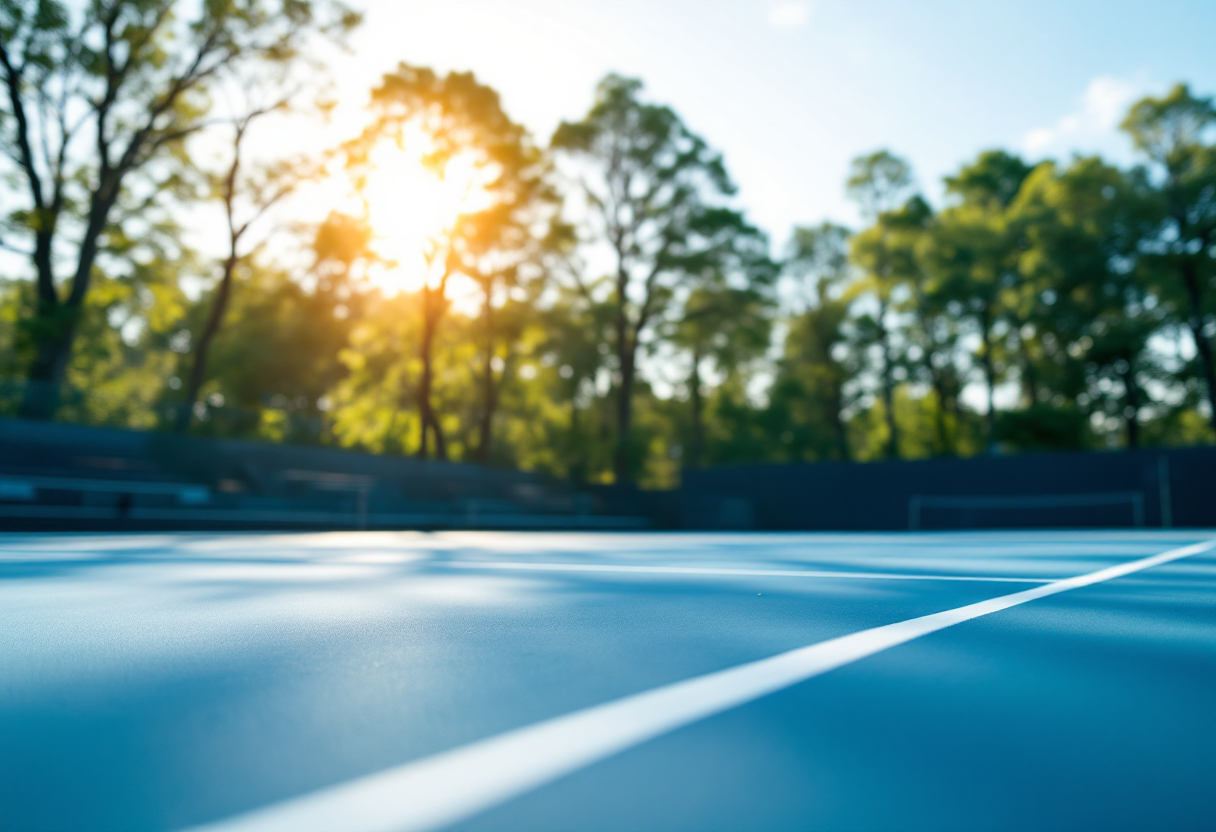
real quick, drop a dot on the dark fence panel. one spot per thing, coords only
(1155, 488)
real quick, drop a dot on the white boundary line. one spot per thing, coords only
(714, 570)
(436, 791)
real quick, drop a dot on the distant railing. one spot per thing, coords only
(26, 489)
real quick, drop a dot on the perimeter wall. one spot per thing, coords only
(1168, 487)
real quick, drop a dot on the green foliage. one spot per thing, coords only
(1044, 427)
(99, 99)
(994, 179)
(635, 325)
(277, 353)
(1178, 134)
(372, 407)
(657, 195)
(808, 401)
(497, 245)
(878, 182)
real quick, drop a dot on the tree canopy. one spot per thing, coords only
(599, 307)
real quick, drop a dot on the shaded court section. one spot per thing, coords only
(176, 680)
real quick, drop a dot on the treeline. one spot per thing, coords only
(599, 306)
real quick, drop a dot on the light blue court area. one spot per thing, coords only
(383, 682)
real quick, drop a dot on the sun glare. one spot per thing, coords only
(412, 207)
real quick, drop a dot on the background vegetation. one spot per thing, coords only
(598, 306)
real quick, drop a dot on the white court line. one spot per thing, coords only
(436, 791)
(713, 570)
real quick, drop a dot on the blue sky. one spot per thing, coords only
(791, 90)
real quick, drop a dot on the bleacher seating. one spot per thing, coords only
(69, 477)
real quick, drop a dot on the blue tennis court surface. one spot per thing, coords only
(485, 681)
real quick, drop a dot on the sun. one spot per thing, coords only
(412, 206)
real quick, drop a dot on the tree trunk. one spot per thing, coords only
(956, 415)
(888, 385)
(1030, 376)
(430, 425)
(441, 443)
(1131, 411)
(842, 431)
(578, 460)
(54, 328)
(938, 381)
(1203, 346)
(622, 469)
(424, 417)
(198, 368)
(939, 389)
(57, 320)
(489, 389)
(626, 351)
(40, 399)
(697, 446)
(989, 378)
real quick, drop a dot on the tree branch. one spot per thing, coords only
(13, 78)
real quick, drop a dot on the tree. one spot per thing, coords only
(723, 326)
(129, 331)
(372, 402)
(246, 195)
(973, 252)
(655, 191)
(575, 325)
(1084, 227)
(504, 254)
(878, 183)
(724, 320)
(273, 364)
(815, 369)
(461, 129)
(1177, 132)
(96, 94)
(931, 333)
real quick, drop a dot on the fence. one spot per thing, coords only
(1159, 487)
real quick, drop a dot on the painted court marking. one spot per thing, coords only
(713, 570)
(436, 791)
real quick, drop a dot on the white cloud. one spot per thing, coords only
(793, 14)
(1107, 100)
(1102, 107)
